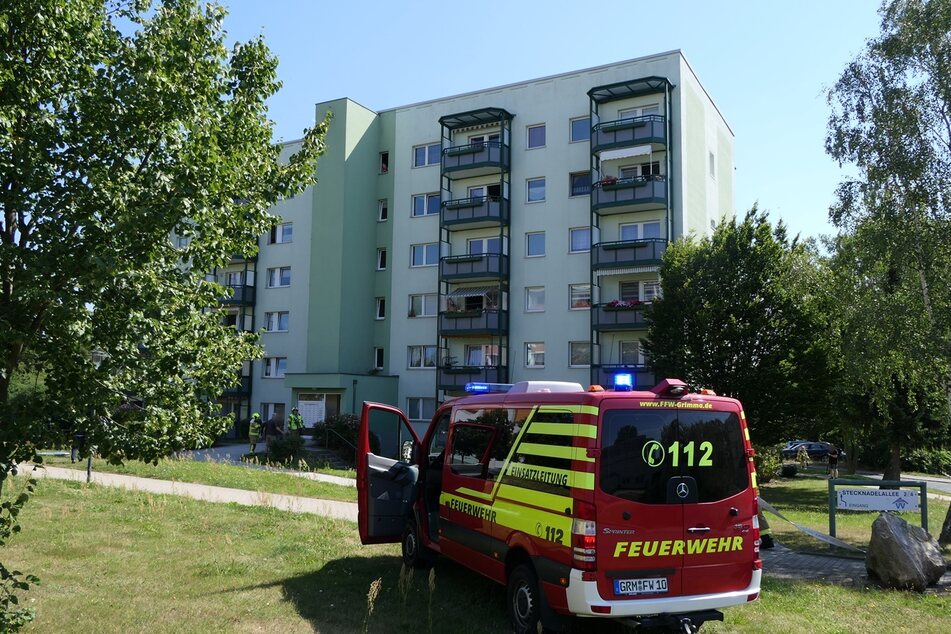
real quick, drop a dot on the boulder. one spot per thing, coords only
(903, 556)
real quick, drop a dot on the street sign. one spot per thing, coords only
(877, 500)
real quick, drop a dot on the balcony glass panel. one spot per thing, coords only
(472, 322)
(618, 315)
(628, 252)
(638, 193)
(476, 211)
(474, 267)
(476, 158)
(650, 128)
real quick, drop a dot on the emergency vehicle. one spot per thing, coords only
(638, 505)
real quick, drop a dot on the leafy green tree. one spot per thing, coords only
(122, 123)
(743, 312)
(891, 119)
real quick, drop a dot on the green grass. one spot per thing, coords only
(219, 474)
(117, 561)
(804, 499)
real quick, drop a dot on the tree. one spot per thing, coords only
(121, 124)
(743, 313)
(891, 119)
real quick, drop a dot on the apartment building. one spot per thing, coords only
(508, 234)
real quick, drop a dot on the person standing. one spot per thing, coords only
(833, 462)
(254, 431)
(295, 423)
(802, 456)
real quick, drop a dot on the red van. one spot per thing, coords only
(611, 504)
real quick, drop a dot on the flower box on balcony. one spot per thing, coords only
(464, 149)
(456, 259)
(617, 305)
(623, 244)
(463, 202)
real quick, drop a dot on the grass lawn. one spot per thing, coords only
(804, 499)
(117, 561)
(220, 474)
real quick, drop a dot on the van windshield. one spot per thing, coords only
(641, 449)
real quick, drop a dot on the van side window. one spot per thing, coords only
(390, 437)
(468, 454)
(542, 461)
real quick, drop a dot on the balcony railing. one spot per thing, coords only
(642, 376)
(476, 159)
(474, 267)
(628, 252)
(455, 377)
(242, 294)
(473, 322)
(639, 193)
(608, 317)
(479, 211)
(243, 387)
(651, 128)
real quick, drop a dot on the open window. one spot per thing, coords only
(387, 473)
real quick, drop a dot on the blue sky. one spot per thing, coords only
(767, 66)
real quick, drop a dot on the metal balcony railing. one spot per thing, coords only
(639, 193)
(618, 317)
(478, 210)
(473, 322)
(476, 158)
(474, 267)
(650, 128)
(628, 252)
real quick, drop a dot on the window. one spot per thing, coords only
(482, 355)
(534, 299)
(631, 353)
(381, 259)
(422, 305)
(420, 408)
(282, 233)
(421, 356)
(277, 321)
(428, 154)
(378, 358)
(483, 139)
(535, 244)
(380, 307)
(580, 184)
(535, 355)
(579, 296)
(629, 291)
(272, 410)
(478, 192)
(644, 169)
(580, 129)
(478, 246)
(234, 278)
(384, 162)
(383, 209)
(275, 367)
(579, 354)
(279, 277)
(536, 189)
(713, 165)
(651, 291)
(425, 205)
(639, 112)
(536, 136)
(424, 254)
(580, 239)
(640, 231)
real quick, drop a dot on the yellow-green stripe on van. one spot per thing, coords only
(553, 451)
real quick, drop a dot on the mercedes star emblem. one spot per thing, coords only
(682, 490)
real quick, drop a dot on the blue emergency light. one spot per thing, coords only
(488, 388)
(623, 382)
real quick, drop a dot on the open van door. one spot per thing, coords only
(387, 473)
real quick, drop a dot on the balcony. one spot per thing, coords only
(481, 266)
(473, 322)
(475, 213)
(243, 387)
(476, 159)
(242, 295)
(624, 195)
(603, 375)
(608, 317)
(648, 129)
(455, 377)
(628, 253)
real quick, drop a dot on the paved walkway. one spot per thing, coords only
(293, 503)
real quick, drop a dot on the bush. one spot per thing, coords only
(343, 429)
(789, 470)
(926, 460)
(767, 461)
(285, 449)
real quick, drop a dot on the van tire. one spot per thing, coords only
(415, 555)
(524, 600)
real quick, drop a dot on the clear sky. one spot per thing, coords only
(766, 64)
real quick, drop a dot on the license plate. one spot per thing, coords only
(640, 586)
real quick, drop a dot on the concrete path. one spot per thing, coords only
(293, 503)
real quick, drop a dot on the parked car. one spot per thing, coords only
(816, 451)
(792, 444)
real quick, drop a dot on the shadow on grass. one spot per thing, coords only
(334, 599)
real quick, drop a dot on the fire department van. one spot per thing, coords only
(615, 504)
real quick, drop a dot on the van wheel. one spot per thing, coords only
(524, 600)
(415, 555)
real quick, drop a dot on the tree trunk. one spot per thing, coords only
(945, 538)
(893, 470)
